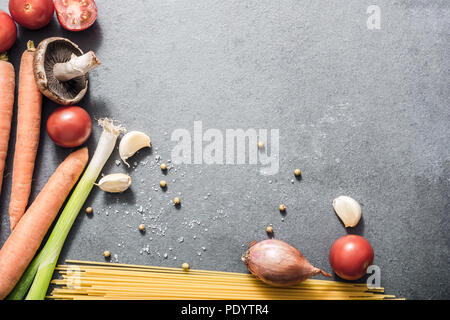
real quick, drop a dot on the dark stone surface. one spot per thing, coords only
(362, 112)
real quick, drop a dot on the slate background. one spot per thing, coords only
(362, 113)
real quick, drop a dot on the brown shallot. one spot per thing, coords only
(277, 263)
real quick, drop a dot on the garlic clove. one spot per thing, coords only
(348, 210)
(131, 143)
(115, 183)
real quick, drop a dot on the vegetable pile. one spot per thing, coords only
(40, 271)
(67, 126)
(22, 244)
(73, 15)
(279, 264)
(58, 70)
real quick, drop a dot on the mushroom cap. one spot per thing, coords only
(49, 52)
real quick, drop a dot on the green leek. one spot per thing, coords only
(40, 271)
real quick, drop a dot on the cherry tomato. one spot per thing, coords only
(69, 126)
(32, 14)
(76, 15)
(350, 256)
(8, 31)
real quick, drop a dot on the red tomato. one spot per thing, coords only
(69, 126)
(32, 14)
(8, 31)
(76, 15)
(350, 256)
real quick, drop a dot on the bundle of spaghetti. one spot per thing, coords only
(83, 280)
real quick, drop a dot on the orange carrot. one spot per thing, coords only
(24, 241)
(29, 106)
(7, 84)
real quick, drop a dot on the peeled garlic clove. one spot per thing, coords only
(348, 210)
(115, 183)
(131, 143)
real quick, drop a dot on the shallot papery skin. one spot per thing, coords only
(279, 264)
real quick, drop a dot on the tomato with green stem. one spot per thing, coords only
(76, 15)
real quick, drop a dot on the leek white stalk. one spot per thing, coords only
(47, 258)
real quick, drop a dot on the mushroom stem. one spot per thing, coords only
(75, 67)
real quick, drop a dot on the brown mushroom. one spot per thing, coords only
(60, 69)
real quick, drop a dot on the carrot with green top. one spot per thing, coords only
(21, 246)
(7, 85)
(29, 106)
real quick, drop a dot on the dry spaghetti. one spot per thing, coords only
(96, 280)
